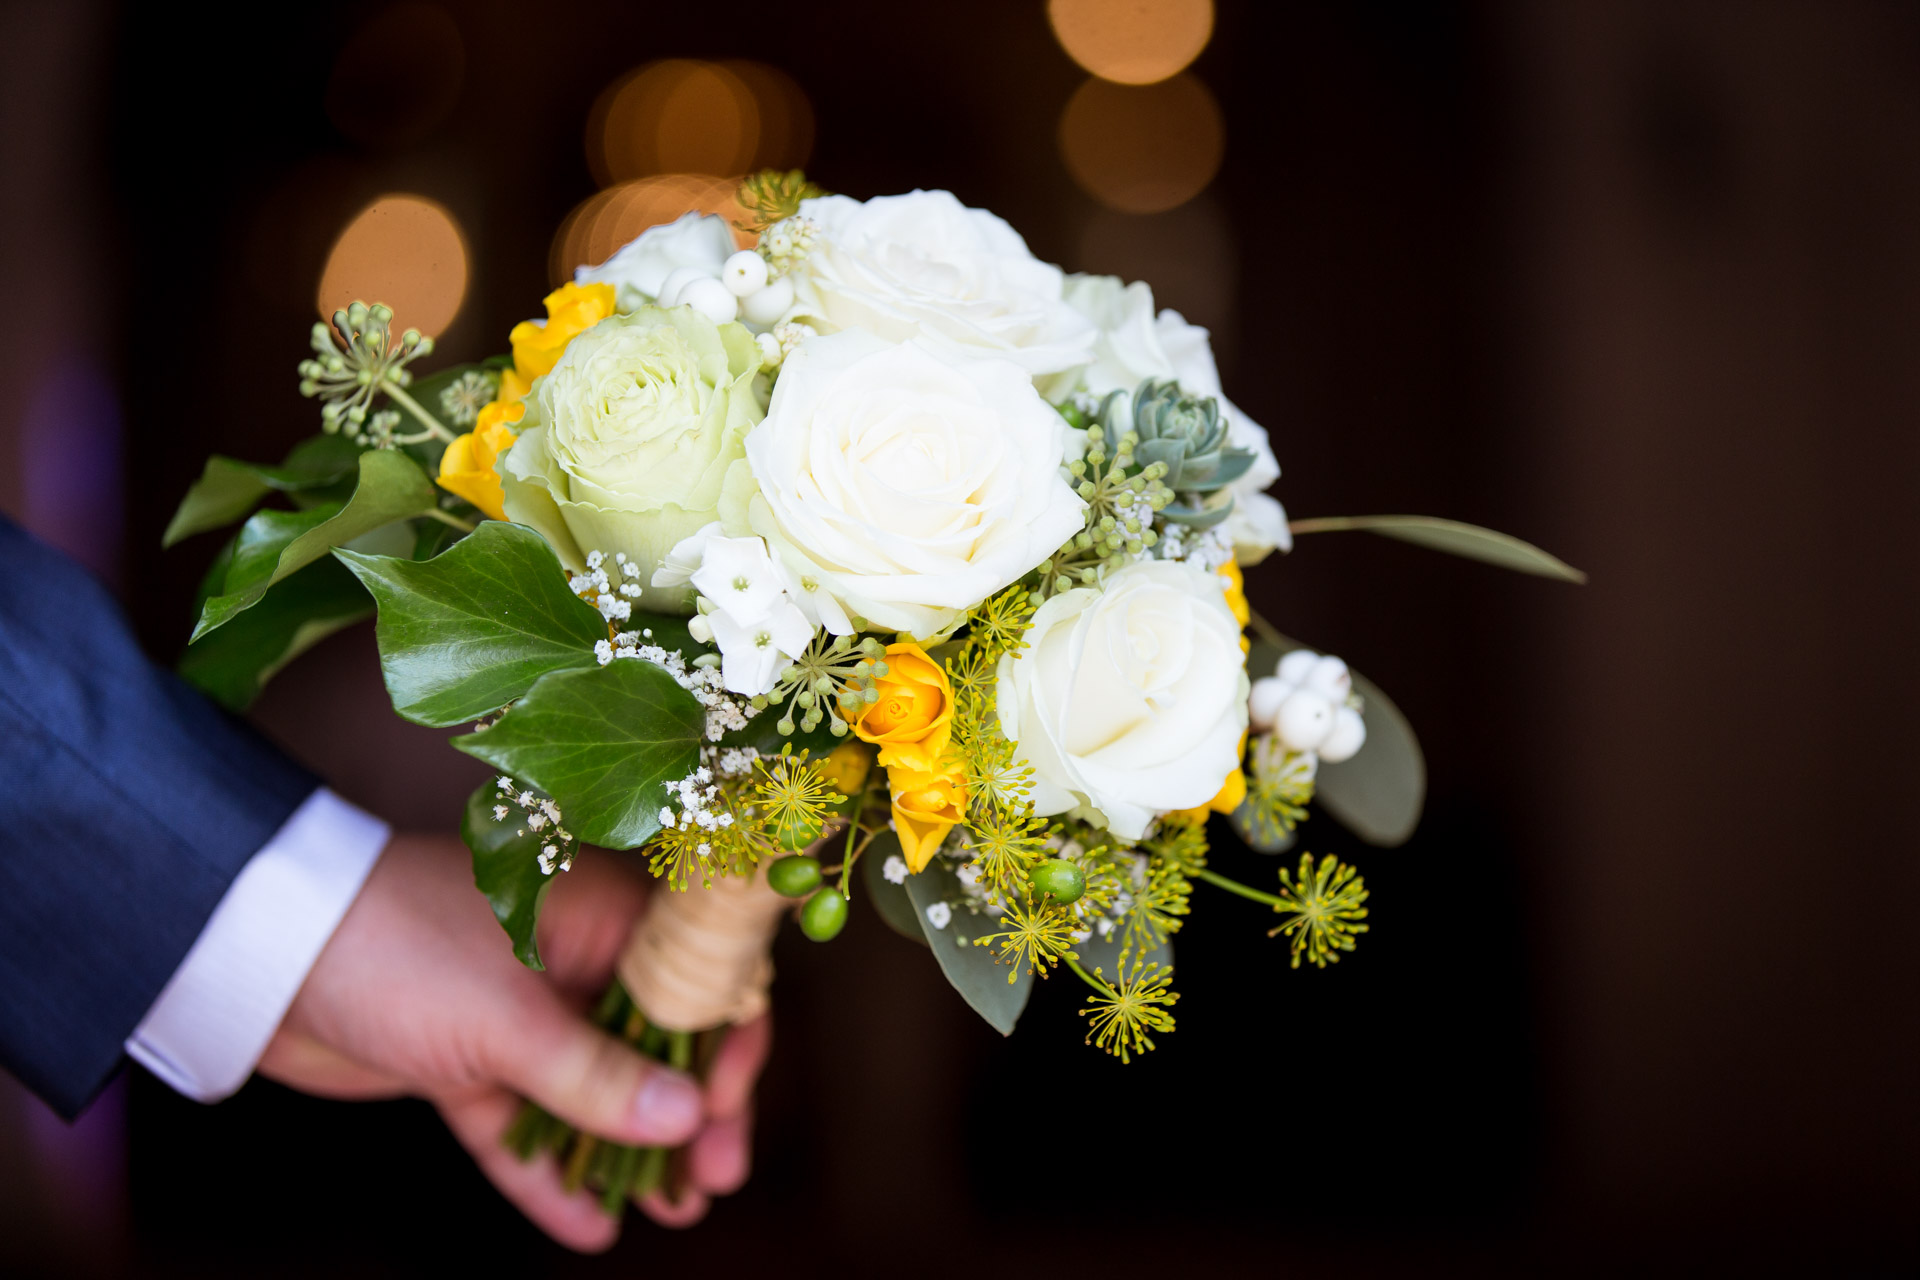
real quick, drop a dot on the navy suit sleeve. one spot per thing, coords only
(128, 804)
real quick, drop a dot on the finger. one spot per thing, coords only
(587, 919)
(574, 1218)
(737, 1066)
(722, 1156)
(684, 1212)
(301, 1062)
(542, 1050)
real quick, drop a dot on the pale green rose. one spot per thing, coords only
(625, 445)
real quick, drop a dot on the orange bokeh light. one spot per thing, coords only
(1142, 149)
(406, 251)
(1132, 41)
(686, 116)
(608, 219)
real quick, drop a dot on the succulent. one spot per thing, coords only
(1189, 435)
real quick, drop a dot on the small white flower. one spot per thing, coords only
(678, 568)
(895, 869)
(753, 656)
(603, 651)
(737, 574)
(499, 813)
(939, 915)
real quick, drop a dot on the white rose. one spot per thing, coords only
(1131, 697)
(1135, 345)
(901, 483)
(695, 240)
(924, 265)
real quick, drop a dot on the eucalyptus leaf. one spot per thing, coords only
(228, 488)
(1469, 540)
(275, 544)
(506, 867)
(467, 632)
(603, 742)
(889, 899)
(231, 665)
(971, 969)
(1379, 793)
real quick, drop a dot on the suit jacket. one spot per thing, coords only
(128, 804)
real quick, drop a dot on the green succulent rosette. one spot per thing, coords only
(626, 443)
(1190, 436)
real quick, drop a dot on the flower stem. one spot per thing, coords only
(412, 406)
(1086, 977)
(1234, 886)
(445, 517)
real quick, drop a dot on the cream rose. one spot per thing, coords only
(1136, 344)
(1131, 698)
(626, 444)
(924, 265)
(698, 241)
(902, 483)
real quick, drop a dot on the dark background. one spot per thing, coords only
(1637, 281)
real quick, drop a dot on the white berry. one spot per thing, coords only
(1304, 720)
(710, 298)
(744, 273)
(1348, 736)
(1330, 679)
(1264, 703)
(677, 279)
(769, 304)
(1293, 668)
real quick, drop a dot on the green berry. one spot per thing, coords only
(824, 915)
(794, 877)
(1062, 880)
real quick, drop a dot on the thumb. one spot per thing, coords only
(548, 1053)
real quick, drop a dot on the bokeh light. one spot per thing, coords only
(608, 219)
(686, 116)
(398, 76)
(1142, 149)
(406, 251)
(1132, 41)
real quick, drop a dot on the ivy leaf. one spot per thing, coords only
(228, 488)
(506, 867)
(888, 898)
(1469, 540)
(1379, 793)
(231, 665)
(603, 742)
(467, 632)
(275, 544)
(981, 982)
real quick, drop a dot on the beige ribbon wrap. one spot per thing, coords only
(700, 958)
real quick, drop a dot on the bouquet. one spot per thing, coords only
(849, 554)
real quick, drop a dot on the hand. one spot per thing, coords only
(418, 993)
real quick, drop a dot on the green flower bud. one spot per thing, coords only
(794, 877)
(824, 915)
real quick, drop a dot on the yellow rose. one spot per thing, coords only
(466, 468)
(845, 768)
(913, 719)
(926, 805)
(572, 309)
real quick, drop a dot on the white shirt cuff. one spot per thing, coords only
(216, 1014)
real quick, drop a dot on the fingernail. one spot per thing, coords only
(667, 1108)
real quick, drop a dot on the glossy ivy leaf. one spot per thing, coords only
(888, 898)
(603, 742)
(971, 969)
(1470, 540)
(275, 544)
(231, 665)
(467, 632)
(1377, 795)
(228, 488)
(506, 867)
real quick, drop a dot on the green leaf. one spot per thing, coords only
(603, 742)
(1377, 795)
(1455, 538)
(233, 664)
(971, 969)
(1104, 954)
(228, 488)
(888, 898)
(467, 632)
(506, 867)
(275, 544)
